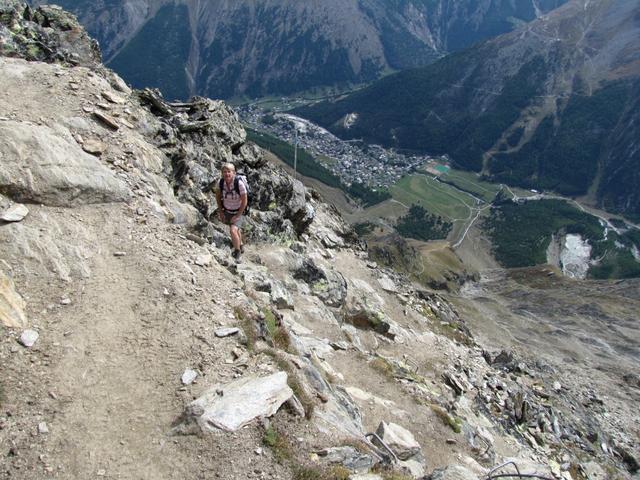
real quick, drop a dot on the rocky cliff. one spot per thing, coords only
(133, 346)
(223, 49)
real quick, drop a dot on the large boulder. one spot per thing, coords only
(326, 284)
(258, 278)
(234, 405)
(348, 457)
(399, 439)
(46, 166)
(364, 308)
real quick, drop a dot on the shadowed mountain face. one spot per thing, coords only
(223, 49)
(552, 105)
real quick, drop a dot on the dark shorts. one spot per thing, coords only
(228, 216)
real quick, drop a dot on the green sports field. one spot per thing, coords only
(436, 197)
(469, 182)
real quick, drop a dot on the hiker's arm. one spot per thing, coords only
(243, 205)
(219, 202)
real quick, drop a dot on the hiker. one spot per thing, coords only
(231, 197)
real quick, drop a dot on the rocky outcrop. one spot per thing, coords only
(327, 284)
(200, 136)
(46, 33)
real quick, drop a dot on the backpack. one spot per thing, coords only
(236, 186)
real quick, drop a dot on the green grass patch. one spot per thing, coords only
(453, 422)
(383, 366)
(469, 182)
(305, 472)
(284, 453)
(433, 196)
(278, 332)
(248, 326)
(388, 473)
(278, 443)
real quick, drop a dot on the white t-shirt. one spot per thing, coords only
(231, 200)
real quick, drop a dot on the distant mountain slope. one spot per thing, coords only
(223, 49)
(552, 105)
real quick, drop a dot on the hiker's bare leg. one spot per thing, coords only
(236, 237)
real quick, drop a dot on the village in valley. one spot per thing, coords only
(352, 161)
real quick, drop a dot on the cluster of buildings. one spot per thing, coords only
(352, 161)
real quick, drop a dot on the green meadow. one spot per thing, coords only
(469, 182)
(434, 196)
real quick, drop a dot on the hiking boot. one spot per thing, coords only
(236, 254)
(242, 248)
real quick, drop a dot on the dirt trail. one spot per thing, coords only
(105, 373)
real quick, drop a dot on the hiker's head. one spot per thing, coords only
(228, 172)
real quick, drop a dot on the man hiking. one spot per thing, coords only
(231, 197)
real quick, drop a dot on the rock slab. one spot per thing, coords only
(234, 405)
(45, 165)
(11, 304)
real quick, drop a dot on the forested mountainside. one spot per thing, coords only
(223, 49)
(552, 105)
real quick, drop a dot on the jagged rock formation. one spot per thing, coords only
(45, 34)
(134, 314)
(222, 49)
(550, 106)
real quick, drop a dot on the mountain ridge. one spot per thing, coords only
(279, 47)
(533, 107)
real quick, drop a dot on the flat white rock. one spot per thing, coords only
(15, 213)
(29, 338)
(226, 331)
(203, 260)
(234, 405)
(189, 376)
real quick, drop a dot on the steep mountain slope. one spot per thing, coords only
(549, 106)
(221, 49)
(133, 346)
